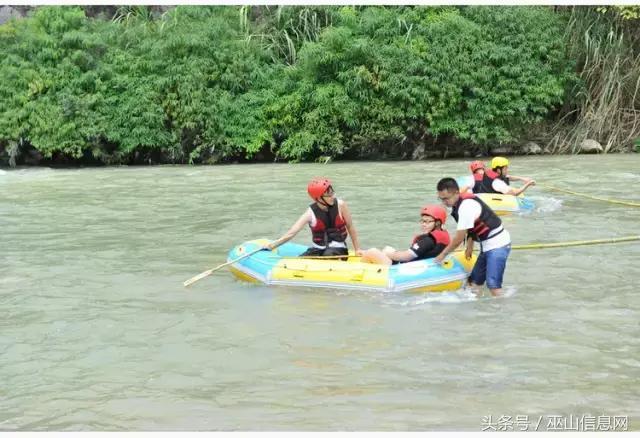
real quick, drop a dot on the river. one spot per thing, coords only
(98, 333)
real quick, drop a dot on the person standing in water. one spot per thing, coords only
(478, 223)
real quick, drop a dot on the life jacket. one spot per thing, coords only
(485, 184)
(484, 224)
(329, 226)
(442, 239)
(477, 186)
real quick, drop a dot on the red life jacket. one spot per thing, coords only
(442, 239)
(485, 185)
(329, 227)
(484, 224)
(477, 186)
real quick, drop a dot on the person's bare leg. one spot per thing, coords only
(375, 256)
(475, 288)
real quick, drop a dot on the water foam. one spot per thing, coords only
(546, 204)
(460, 296)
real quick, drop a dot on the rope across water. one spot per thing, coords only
(612, 201)
(517, 247)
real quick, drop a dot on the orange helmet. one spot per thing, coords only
(476, 165)
(317, 187)
(436, 212)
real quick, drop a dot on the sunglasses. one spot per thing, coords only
(329, 192)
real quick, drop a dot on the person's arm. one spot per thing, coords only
(516, 192)
(468, 212)
(346, 215)
(523, 179)
(295, 229)
(455, 242)
(504, 188)
(418, 250)
(469, 251)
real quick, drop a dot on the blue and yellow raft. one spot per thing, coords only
(504, 205)
(501, 204)
(282, 266)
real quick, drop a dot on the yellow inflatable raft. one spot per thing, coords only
(283, 267)
(501, 204)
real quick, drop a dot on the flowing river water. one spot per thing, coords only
(98, 333)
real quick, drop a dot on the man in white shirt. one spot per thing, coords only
(496, 179)
(477, 221)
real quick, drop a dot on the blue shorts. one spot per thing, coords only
(490, 267)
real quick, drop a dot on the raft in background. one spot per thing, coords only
(501, 204)
(282, 267)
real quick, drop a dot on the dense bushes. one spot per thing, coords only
(477, 75)
(203, 84)
(167, 90)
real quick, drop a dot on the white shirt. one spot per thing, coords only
(468, 212)
(500, 186)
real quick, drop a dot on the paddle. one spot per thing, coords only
(204, 274)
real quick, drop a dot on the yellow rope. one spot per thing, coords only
(528, 246)
(575, 243)
(613, 201)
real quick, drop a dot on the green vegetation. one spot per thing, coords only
(218, 84)
(133, 89)
(603, 103)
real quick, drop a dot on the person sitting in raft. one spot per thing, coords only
(330, 222)
(477, 170)
(426, 245)
(497, 179)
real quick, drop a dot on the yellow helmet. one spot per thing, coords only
(499, 162)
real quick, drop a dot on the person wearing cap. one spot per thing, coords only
(329, 220)
(477, 223)
(497, 179)
(426, 245)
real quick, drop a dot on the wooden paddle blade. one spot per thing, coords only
(200, 276)
(210, 271)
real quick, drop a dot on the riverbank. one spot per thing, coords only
(218, 84)
(32, 158)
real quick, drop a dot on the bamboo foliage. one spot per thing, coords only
(604, 105)
(283, 31)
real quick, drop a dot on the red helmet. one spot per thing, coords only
(436, 212)
(476, 165)
(317, 187)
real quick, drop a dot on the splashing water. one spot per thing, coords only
(545, 204)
